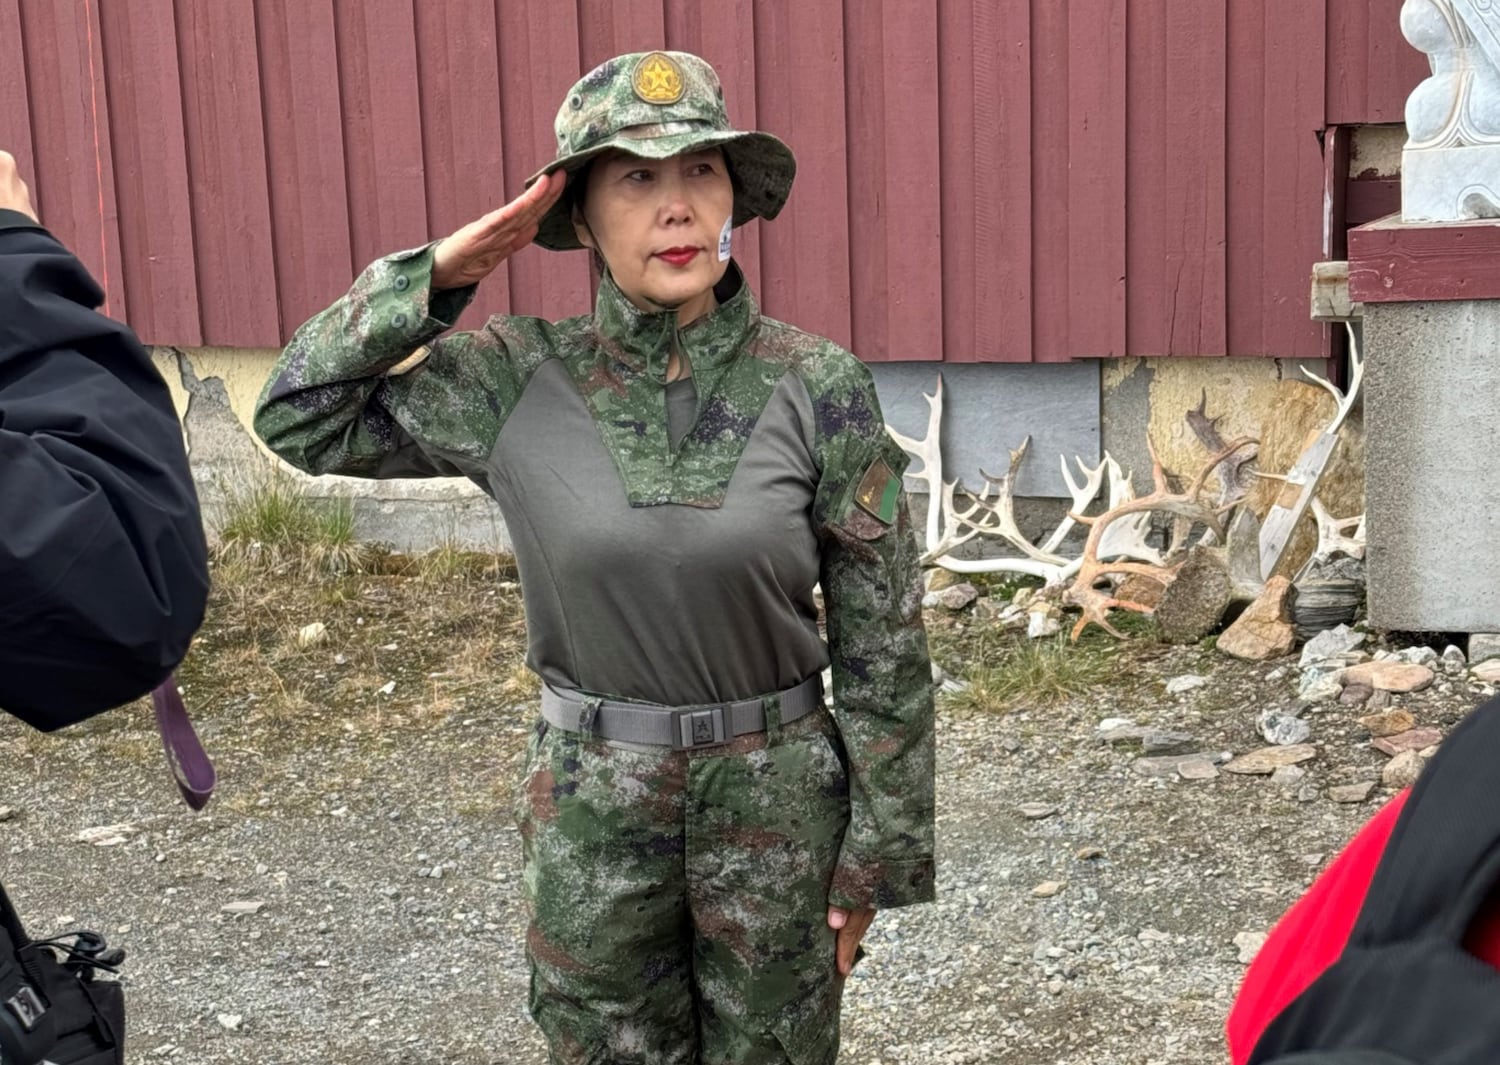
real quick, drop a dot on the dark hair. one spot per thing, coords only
(574, 194)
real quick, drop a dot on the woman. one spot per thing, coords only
(704, 846)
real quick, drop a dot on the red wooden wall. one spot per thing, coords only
(981, 180)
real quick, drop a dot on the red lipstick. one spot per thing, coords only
(679, 256)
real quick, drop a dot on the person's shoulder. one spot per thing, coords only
(823, 365)
(530, 341)
(839, 387)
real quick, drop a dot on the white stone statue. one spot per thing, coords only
(1451, 165)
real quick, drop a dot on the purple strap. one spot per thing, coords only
(185, 755)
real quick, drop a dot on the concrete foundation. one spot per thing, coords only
(1433, 498)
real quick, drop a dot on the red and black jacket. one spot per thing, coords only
(1391, 957)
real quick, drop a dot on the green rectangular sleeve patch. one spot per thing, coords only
(878, 492)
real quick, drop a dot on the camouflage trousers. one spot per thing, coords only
(678, 900)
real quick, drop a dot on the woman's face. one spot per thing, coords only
(658, 223)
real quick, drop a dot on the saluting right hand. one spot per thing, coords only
(14, 195)
(470, 255)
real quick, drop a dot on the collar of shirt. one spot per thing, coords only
(643, 340)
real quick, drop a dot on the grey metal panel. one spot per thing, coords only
(989, 408)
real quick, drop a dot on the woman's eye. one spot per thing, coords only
(702, 170)
(638, 176)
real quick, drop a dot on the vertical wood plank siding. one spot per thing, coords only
(980, 180)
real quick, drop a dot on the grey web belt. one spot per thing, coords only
(679, 727)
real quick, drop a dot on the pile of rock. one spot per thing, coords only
(1025, 610)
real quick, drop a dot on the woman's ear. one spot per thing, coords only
(581, 228)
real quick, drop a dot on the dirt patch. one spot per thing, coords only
(366, 787)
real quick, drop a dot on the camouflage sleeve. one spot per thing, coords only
(882, 675)
(330, 405)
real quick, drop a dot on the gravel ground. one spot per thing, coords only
(379, 858)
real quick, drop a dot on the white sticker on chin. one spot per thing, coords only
(726, 238)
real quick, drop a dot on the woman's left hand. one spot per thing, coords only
(851, 926)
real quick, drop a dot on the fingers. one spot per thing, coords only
(526, 209)
(851, 926)
(14, 195)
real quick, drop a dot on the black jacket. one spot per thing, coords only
(103, 567)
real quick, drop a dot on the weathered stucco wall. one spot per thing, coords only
(215, 391)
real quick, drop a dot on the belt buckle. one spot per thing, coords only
(704, 726)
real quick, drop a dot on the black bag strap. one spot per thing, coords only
(1442, 861)
(10, 920)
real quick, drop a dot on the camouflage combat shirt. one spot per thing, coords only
(668, 537)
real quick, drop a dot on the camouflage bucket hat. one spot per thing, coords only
(656, 105)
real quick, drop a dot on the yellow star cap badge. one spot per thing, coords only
(658, 80)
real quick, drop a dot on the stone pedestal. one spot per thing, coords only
(1445, 184)
(1432, 422)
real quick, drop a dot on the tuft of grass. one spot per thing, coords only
(270, 522)
(1032, 672)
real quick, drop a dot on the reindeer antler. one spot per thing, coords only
(1095, 603)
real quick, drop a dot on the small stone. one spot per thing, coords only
(1352, 793)
(1388, 723)
(1043, 620)
(940, 579)
(312, 635)
(1391, 676)
(1487, 671)
(243, 909)
(1411, 740)
(1402, 771)
(1483, 646)
(1265, 630)
(1249, 944)
(1279, 673)
(1331, 644)
(1268, 759)
(1198, 769)
(1089, 854)
(1356, 694)
(1036, 811)
(1185, 683)
(1055, 987)
(9, 813)
(958, 597)
(1289, 775)
(1400, 677)
(1109, 724)
(1023, 598)
(232, 1022)
(1318, 685)
(1379, 700)
(1307, 793)
(1419, 656)
(388, 688)
(1283, 729)
(1154, 742)
(1047, 888)
(1169, 765)
(340, 660)
(1454, 663)
(107, 835)
(163, 1050)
